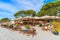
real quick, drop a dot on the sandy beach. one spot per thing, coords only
(6, 34)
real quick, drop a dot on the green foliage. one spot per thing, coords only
(58, 0)
(24, 13)
(17, 25)
(40, 13)
(20, 13)
(30, 13)
(27, 26)
(50, 9)
(40, 25)
(56, 26)
(58, 15)
(0, 20)
(5, 20)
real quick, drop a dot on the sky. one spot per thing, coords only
(9, 7)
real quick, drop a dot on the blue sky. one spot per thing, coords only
(9, 7)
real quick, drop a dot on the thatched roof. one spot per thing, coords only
(43, 17)
(49, 17)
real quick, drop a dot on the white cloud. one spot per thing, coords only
(8, 7)
(22, 4)
(30, 4)
(19, 5)
(5, 14)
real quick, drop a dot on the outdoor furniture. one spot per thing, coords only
(45, 26)
(29, 32)
(4, 25)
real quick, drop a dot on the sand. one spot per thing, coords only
(6, 34)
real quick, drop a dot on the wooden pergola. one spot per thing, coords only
(35, 20)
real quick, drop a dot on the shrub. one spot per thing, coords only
(27, 26)
(56, 26)
(40, 25)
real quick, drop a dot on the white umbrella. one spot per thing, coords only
(45, 17)
(27, 17)
(49, 17)
(16, 18)
(35, 17)
(55, 17)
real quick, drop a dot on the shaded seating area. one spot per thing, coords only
(32, 22)
(28, 32)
